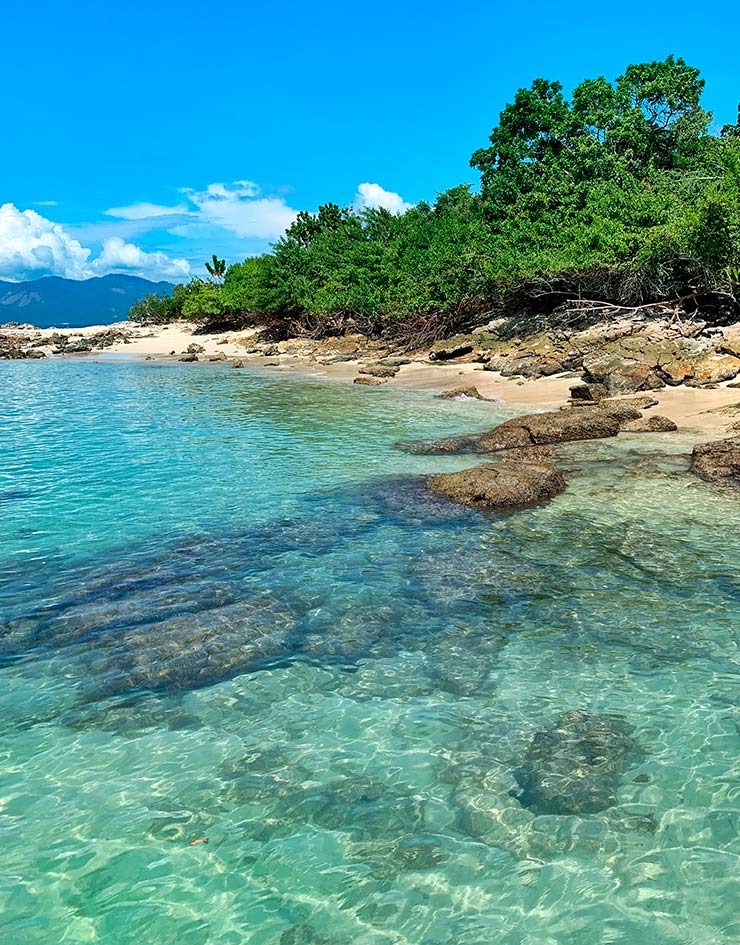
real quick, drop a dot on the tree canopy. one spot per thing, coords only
(623, 187)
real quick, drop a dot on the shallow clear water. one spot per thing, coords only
(229, 609)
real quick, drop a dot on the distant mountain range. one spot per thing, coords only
(57, 302)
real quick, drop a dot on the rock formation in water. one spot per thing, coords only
(515, 481)
(654, 424)
(718, 461)
(576, 765)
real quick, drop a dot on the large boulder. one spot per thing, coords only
(718, 461)
(653, 424)
(496, 486)
(556, 426)
(587, 393)
(622, 411)
(714, 369)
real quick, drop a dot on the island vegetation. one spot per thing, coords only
(625, 195)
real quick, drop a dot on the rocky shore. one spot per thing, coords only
(584, 384)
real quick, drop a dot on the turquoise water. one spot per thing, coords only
(229, 609)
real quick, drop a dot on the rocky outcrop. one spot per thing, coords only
(188, 357)
(575, 766)
(622, 411)
(653, 424)
(718, 461)
(471, 392)
(618, 357)
(556, 426)
(514, 482)
(454, 347)
(15, 347)
(588, 393)
(649, 360)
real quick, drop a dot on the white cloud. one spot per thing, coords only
(144, 211)
(119, 256)
(32, 246)
(240, 208)
(374, 196)
(46, 203)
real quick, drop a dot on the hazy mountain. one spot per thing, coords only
(60, 302)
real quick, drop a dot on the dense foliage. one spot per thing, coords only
(622, 193)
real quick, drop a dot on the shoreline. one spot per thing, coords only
(697, 411)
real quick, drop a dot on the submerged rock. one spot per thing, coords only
(718, 461)
(508, 484)
(576, 765)
(465, 443)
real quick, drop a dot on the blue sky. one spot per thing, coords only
(144, 136)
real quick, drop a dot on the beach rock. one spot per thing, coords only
(620, 373)
(396, 360)
(237, 363)
(195, 349)
(188, 357)
(730, 341)
(588, 393)
(219, 356)
(653, 424)
(379, 370)
(639, 402)
(77, 345)
(108, 337)
(455, 347)
(471, 392)
(718, 461)
(622, 411)
(504, 485)
(558, 426)
(18, 348)
(370, 381)
(714, 370)
(575, 766)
